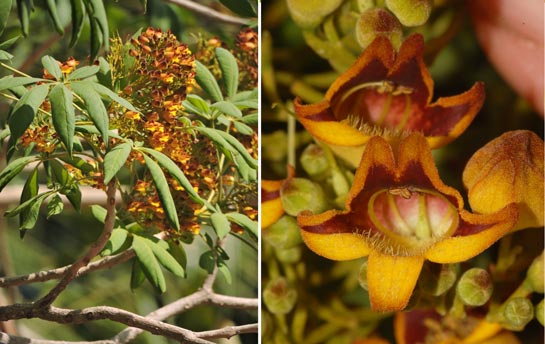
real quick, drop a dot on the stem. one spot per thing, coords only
(96, 247)
(10, 68)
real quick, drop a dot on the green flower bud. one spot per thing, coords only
(540, 312)
(310, 13)
(298, 194)
(411, 12)
(314, 162)
(284, 233)
(517, 312)
(362, 276)
(279, 297)
(475, 287)
(364, 5)
(290, 255)
(437, 279)
(535, 275)
(378, 22)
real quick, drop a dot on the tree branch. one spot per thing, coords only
(228, 332)
(201, 297)
(209, 12)
(79, 316)
(95, 249)
(42, 276)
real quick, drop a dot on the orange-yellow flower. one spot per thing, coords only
(384, 93)
(399, 213)
(508, 169)
(271, 204)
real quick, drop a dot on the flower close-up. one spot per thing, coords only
(399, 213)
(387, 93)
(508, 169)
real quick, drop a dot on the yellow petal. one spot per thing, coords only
(463, 247)
(391, 280)
(508, 169)
(271, 211)
(483, 331)
(340, 246)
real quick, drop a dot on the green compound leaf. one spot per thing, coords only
(221, 224)
(24, 7)
(166, 259)
(25, 110)
(176, 173)
(207, 261)
(77, 20)
(228, 140)
(251, 119)
(55, 206)
(117, 240)
(52, 10)
(197, 105)
(137, 274)
(52, 66)
(74, 196)
(163, 191)
(9, 81)
(106, 92)
(229, 70)
(83, 72)
(149, 264)
(177, 251)
(95, 107)
(59, 172)
(99, 213)
(208, 83)
(62, 110)
(98, 13)
(115, 159)
(244, 222)
(227, 108)
(5, 9)
(13, 169)
(243, 128)
(224, 269)
(30, 190)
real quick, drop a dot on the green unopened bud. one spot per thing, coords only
(314, 162)
(535, 275)
(364, 5)
(517, 312)
(284, 233)
(290, 255)
(411, 12)
(475, 287)
(310, 13)
(279, 296)
(362, 276)
(437, 279)
(300, 194)
(540, 312)
(377, 22)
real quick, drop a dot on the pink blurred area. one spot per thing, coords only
(511, 34)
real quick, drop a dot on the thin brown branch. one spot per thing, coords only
(79, 316)
(12, 339)
(203, 296)
(95, 249)
(209, 12)
(228, 332)
(47, 275)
